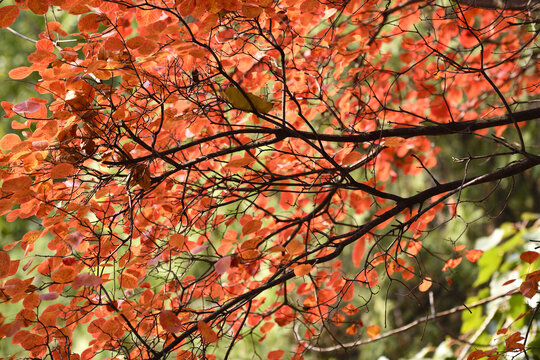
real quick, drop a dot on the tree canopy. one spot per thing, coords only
(201, 172)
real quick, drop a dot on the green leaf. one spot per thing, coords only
(489, 263)
(239, 101)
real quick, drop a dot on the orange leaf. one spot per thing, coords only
(31, 301)
(5, 263)
(9, 141)
(128, 281)
(326, 296)
(295, 247)
(459, 247)
(251, 10)
(18, 184)
(267, 327)
(302, 270)
(473, 255)
(529, 256)
(21, 72)
(177, 241)
(62, 170)
(370, 277)
(251, 227)
(170, 321)
(358, 251)
(63, 275)
(90, 23)
(452, 263)
(425, 285)
(351, 330)
(373, 331)
(414, 248)
(38, 7)
(351, 158)
(207, 333)
(8, 15)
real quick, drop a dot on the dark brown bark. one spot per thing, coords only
(502, 4)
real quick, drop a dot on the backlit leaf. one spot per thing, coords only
(222, 265)
(358, 251)
(529, 256)
(62, 170)
(5, 263)
(8, 15)
(426, 284)
(20, 72)
(239, 101)
(207, 333)
(128, 281)
(170, 321)
(373, 331)
(303, 269)
(27, 107)
(473, 255)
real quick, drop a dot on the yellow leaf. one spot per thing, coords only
(239, 101)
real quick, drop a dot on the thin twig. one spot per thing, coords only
(412, 324)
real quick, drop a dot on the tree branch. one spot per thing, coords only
(502, 4)
(411, 324)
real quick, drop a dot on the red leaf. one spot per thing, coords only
(528, 288)
(275, 355)
(207, 333)
(8, 15)
(529, 256)
(302, 270)
(170, 321)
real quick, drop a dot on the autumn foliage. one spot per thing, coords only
(207, 170)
